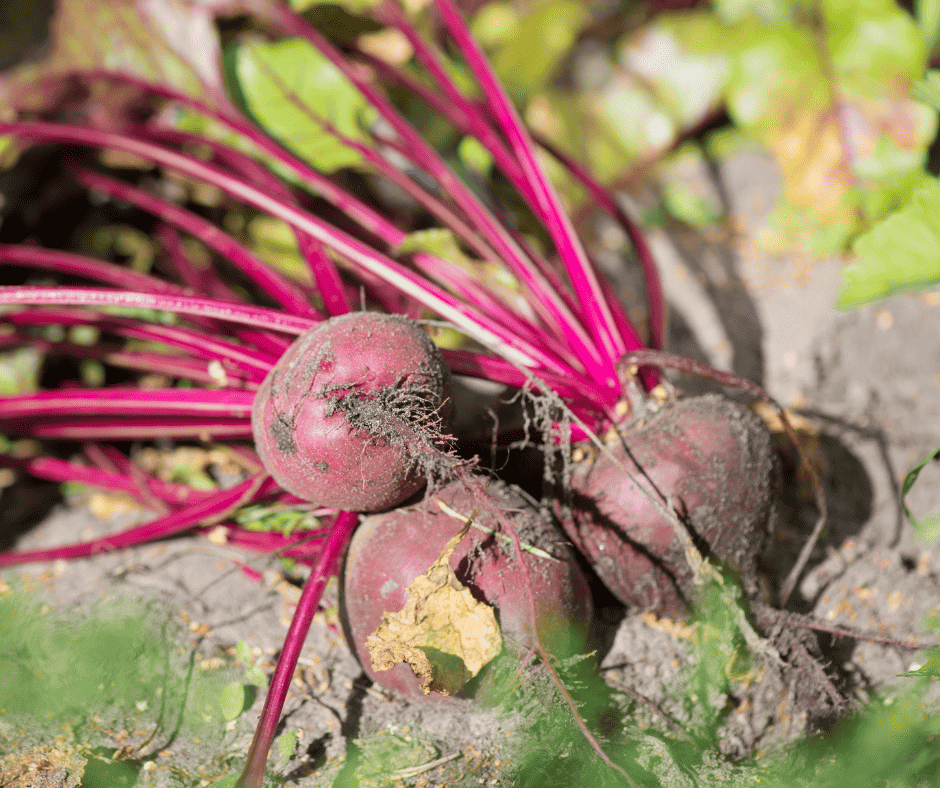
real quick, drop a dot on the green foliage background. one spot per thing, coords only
(93, 676)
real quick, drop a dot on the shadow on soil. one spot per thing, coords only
(23, 504)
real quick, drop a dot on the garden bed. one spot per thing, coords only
(865, 382)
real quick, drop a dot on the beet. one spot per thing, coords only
(388, 551)
(716, 461)
(346, 417)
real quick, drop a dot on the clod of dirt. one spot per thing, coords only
(42, 767)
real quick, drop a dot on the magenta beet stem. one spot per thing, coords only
(253, 774)
(213, 509)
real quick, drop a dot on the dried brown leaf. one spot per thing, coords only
(442, 632)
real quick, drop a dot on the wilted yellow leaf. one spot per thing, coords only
(442, 632)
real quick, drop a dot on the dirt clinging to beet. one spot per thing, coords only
(389, 550)
(710, 459)
(352, 416)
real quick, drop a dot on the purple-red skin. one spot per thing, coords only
(715, 460)
(388, 551)
(320, 423)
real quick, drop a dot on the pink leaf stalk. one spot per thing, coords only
(124, 428)
(208, 282)
(288, 295)
(423, 155)
(189, 343)
(304, 546)
(112, 274)
(57, 470)
(564, 330)
(184, 305)
(213, 509)
(469, 319)
(583, 276)
(323, 569)
(231, 404)
(79, 265)
(654, 291)
(140, 361)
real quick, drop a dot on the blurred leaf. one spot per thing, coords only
(732, 11)
(928, 19)
(19, 371)
(536, 46)
(92, 373)
(580, 125)
(275, 519)
(683, 81)
(928, 89)
(683, 202)
(683, 193)
(84, 335)
(438, 241)
(634, 119)
(823, 88)
(930, 669)
(893, 743)
(475, 156)
(170, 42)
(721, 655)
(189, 465)
(383, 753)
(293, 90)
(9, 150)
(200, 125)
(125, 241)
(226, 782)
(659, 86)
(243, 653)
(899, 253)
(285, 744)
(830, 101)
(495, 24)
(100, 666)
(256, 677)
(232, 700)
(275, 242)
(793, 224)
(929, 527)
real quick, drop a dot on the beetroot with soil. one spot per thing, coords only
(349, 424)
(708, 458)
(342, 418)
(388, 551)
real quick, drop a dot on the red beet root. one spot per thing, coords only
(388, 551)
(715, 460)
(345, 417)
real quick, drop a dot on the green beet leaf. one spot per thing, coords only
(232, 700)
(899, 253)
(539, 42)
(928, 528)
(927, 90)
(286, 744)
(300, 98)
(168, 42)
